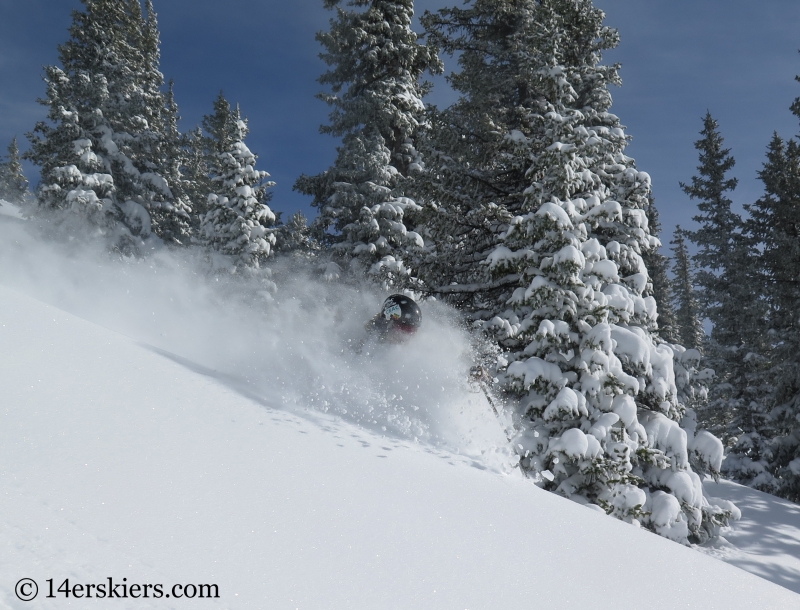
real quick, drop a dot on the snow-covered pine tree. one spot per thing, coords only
(477, 155)
(104, 119)
(691, 340)
(599, 410)
(73, 149)
(172, 220)
(157, 149)
(658, 269)
(295, 237)
(689, 323)
(376, 62)
(238, 220)
(784, 240)
(219, 126)
(13, 184)
(767, 455)
(195, 173)
(726, 280)
(145, 124)
(476, 152)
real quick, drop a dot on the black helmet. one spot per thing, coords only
(401, 313)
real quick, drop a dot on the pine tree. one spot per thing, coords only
(219, 126)
(158, 148)
(689, 323)
(767, 455)
(658, 267)
(238, 220)
(475, 153)
(172, 217)
(74, 149)
(295, 237)
(195, 172)
(719, 225)
(724, 279)
(99, 150)
(782, 264)
(599, 409)
(13, 184)
(376, 95)
(690, 378)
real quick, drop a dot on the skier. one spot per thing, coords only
(399, 319)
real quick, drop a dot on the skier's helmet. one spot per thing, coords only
(402, 314)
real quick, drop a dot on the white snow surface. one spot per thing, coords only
(766, 540)
(9, 210)
(156, 428)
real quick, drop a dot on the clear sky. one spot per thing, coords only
(736, 58)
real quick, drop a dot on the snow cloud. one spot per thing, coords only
(295, 347)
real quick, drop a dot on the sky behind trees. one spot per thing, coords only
(679, 58)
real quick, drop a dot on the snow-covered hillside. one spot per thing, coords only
(157, 429)
(766, 541)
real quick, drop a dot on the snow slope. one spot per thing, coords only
(766, 541)
(164, 427)
(9, 210)
(120, 460)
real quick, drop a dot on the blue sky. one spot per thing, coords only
(736, 58)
